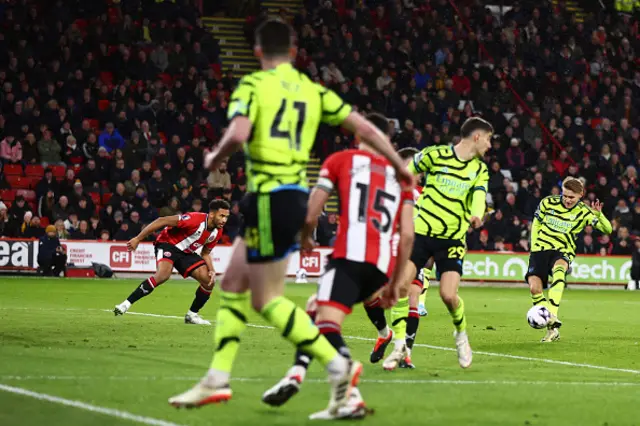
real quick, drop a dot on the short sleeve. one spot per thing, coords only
(541, 211)
(334, 109)
(243, 101)
(422, 161)
(482, 180)
(212, 244)
(329, 173)
(185, 221)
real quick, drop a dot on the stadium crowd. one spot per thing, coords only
(105, 121)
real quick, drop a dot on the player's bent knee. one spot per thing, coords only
(561, 262)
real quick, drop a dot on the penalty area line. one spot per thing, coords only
(125, 415)
(444, 348)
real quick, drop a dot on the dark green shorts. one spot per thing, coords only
(272, 223)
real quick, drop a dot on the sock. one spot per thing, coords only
(399, 316)
(332, 331)
(297, 327)
(377, 318)
(425, 285)
(230, 323)
(459, 320)
(302, 359)
(557, 287)
(539, 299)
(412, 326)
(145, 288)
(202, 296)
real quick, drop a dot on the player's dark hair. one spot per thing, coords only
(216, 205)
(275, 38)
(473, 124)
(408, 152)
(380, 121)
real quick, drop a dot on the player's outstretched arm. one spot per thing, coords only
(156, 225)
(373, 137)
(391, 293)
(317, 200)
(237, 134)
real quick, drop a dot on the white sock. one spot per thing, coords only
(126, 304)
(297, 370)
(337, 367)
(383, 333)
(215, 378)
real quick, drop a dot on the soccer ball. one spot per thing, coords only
(538, 317)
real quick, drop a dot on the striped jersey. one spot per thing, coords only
(285, 109)
(370, 203)
(444, 207)
(556, 227)
(190, 234)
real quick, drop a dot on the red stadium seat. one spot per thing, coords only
(58, 171)
(34, 170)
(34, 181)
(44, 221)
(166, 79)
(18, 182)
(106, 197)
(106, 77)
(7, 195)
(13, 170)
(103, 104)
(27, 194)
(95, 197)
(93, 123)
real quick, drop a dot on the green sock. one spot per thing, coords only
(459, 320)
(399, 315)
(558, 283)
(539, 299)
(230, 323)
(296, 326)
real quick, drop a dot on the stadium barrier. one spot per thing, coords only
(22, 255)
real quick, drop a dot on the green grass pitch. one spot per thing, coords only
(59, 338)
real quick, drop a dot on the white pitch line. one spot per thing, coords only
(87, 407)
(372, 381)
(440, 348)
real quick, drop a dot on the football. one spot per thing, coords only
(538, 317)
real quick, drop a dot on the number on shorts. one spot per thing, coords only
(456, 252)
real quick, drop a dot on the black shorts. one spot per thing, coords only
(272, 223)
(345, 283)
(447, 254)
(185, 263)
(541, 264)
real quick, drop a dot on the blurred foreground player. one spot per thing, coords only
(274, 114)
(373, 208)
(176, 247)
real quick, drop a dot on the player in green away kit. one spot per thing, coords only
(454, 197)
(557, 222)
(274, 114)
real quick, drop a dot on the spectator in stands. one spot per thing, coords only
(218, 180)
(90, 175)
(52, 257)
(110, 138)
(173, 208)
(18, 210)
(34, 229)
(623, 245)
(586, 245)
(49, 150)
(4, 221)
(132, 185)
(62, 210)
(30, 153)
(327, 230)
(72, 223)
(10, 150)
(46, 205)
(91, 146)
(83, 232)
(61, 231)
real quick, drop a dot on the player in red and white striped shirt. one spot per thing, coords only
(373, 208)
(176, 247)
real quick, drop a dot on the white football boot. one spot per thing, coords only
(122, 308)
(463, 348)
(194, 318)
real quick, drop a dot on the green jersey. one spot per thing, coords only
(285, 109)
(556, 227)
(454, 191)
